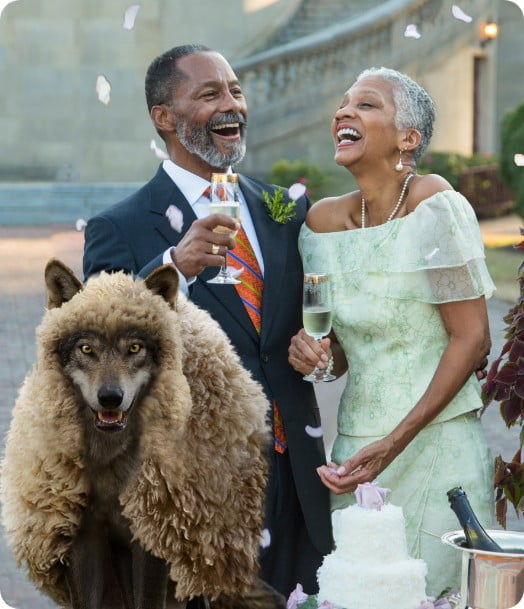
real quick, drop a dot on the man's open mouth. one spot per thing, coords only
(348, 134)
(227, 130)
(110, 420)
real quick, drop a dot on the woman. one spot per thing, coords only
(409, 282)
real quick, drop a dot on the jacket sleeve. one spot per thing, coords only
(106, 249)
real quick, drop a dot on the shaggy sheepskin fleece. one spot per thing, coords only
(197, 500)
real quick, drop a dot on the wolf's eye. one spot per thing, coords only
(135, 348)
(86, 349)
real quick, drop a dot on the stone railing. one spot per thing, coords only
(297, 84)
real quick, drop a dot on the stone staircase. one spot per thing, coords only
(292, 87)
(314, 15)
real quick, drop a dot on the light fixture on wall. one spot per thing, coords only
(488, 31)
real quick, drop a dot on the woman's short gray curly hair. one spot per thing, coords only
(415, 107)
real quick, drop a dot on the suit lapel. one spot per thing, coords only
(270, 235)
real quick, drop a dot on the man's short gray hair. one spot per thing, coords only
(414, 106)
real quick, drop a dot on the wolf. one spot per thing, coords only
(135, 463)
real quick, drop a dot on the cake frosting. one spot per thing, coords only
(370, 567)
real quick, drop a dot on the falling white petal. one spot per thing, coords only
(103, 89)
(3, 4)
(175, 217)
(314, 432)
(519, 160)
(412, 31)
(80, 224)
(265, 539)
(160, 154)
(130, 16)
(432, 253)
(296, 191)
(520, 4)
(3, 604)
(458, 13)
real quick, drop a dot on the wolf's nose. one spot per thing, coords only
(110, 397)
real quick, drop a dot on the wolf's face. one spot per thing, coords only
(110, 373)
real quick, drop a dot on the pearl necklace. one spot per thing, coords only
(395, 209)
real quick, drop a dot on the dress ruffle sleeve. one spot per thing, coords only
(433, 255)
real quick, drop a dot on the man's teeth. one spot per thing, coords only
(348, 133)
(226, 126)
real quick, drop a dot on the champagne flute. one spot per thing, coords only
(316, 316)
(225, 200)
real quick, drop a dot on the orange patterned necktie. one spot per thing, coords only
(250, 290)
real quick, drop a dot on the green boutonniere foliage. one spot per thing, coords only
(278, 210)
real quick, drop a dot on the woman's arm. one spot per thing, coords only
(467, 325)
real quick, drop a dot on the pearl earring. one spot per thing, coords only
(399, 166)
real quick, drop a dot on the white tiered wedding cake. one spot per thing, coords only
(370, 567)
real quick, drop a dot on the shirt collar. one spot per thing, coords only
(190, 185)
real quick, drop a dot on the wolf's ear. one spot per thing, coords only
(61, 283)
(164, 282)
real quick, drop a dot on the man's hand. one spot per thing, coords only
(201, 247)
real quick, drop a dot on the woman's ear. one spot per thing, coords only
(410, 140)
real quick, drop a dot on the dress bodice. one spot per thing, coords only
(386, 284)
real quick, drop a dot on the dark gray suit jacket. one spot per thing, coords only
(132, 236)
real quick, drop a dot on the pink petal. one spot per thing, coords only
(130, 16)
(103, 89)
(458, 13)
(314, 432)
(520, 4)
(432, 253)
(265, 539)
(296, 191)
(296, 598)
(159, 153)
(3, 4)
(175, 217)
(519, 160)
(80, 224)
(412, 31)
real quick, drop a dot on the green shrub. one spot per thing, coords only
(285, 173)
(512, 142)
(451, 165)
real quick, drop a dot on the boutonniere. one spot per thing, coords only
(175, 217)
(278, 210)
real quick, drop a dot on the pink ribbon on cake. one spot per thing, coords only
(371, 496)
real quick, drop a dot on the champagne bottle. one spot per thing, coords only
(476, 536)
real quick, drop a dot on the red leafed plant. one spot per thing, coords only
(505, 384)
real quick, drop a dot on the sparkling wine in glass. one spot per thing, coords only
(225, 200)
(316, 316)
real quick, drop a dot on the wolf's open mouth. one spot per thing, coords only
(110, 420)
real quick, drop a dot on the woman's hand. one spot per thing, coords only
(305, 353)
(365, 466)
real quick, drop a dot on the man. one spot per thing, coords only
(197, 106)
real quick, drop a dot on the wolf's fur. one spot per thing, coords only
(138, 418)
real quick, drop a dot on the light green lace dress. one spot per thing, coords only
(386, 283)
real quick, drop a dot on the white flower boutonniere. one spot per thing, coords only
(278, 210)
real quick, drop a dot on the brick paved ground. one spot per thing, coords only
(23, 254)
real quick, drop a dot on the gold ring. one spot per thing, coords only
(215, 249)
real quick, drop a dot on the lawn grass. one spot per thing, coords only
(503, 264)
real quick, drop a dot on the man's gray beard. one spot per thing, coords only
(200, 143)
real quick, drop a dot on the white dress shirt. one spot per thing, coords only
(193, 188)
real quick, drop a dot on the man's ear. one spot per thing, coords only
(164, 282)
(162, 117)
(61, 283)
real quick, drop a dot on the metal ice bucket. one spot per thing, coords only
(490, 580)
